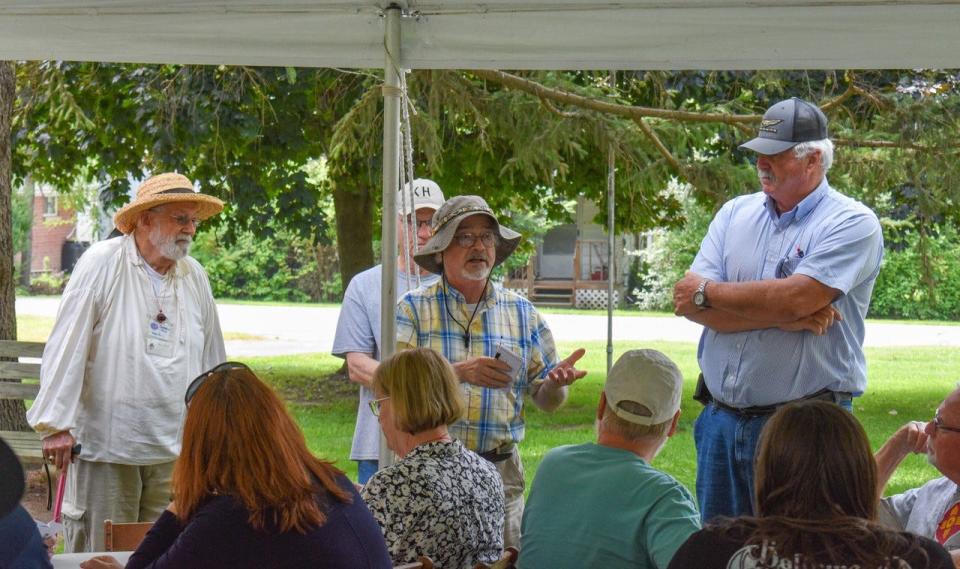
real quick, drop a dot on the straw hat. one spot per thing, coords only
(163, 189)
(447, 219)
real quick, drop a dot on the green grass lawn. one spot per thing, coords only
(905, 384)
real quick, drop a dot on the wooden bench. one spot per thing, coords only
(26, 444)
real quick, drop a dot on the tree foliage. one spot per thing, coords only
(526, 142)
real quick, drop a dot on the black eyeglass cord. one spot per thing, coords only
(446, 305)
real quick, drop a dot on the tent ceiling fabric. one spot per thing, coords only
(443, 34)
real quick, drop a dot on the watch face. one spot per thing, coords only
(698, 298)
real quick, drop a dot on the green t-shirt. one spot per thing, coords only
(597, 506)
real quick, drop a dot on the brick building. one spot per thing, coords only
(54, 225)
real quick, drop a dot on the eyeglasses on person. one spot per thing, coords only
(182, 220)
(467, 240)
(938, 424)
(376, 404)
(200, 379)
(419, 223)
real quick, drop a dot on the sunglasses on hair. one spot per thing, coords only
(200, 379)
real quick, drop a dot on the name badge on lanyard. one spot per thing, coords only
(160, 338)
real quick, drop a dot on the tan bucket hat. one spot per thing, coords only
(162, 189)
(447, 219)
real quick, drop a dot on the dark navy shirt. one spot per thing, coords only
(218, 535)
(20, 543)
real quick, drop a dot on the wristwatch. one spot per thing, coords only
(700, 295)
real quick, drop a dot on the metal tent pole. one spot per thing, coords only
(611, 239)
(391, 181)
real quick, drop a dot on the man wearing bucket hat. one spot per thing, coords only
(136, 323)
(602, 504)
(781, 285)
(358, 329)
(498, 344)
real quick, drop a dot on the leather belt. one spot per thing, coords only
(499, 454)
(837, 397)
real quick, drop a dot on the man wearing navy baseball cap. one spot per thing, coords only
(781, 285)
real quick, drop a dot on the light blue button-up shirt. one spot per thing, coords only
(828, 237)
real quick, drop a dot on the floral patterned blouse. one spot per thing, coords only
(442, 501)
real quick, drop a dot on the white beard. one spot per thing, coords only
(477, 275)
(173, 247)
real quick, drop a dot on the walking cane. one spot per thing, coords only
(55, 528)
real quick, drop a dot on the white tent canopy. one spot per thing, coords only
(502, 34)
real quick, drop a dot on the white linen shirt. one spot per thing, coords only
(101, 377)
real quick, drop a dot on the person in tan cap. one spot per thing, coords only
(136, 323)
(603, 504)
(499, 345)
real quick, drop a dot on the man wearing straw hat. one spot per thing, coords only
(497, 342)
(136, 323)
(358, 328)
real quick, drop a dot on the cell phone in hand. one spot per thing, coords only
(512, 359)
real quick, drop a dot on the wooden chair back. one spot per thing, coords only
(124, 536)
(422, 562)
(507, 561)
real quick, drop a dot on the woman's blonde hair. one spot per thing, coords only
(423, 389)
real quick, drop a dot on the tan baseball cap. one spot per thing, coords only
(648, 379)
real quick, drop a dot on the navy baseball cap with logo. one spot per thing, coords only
(787, 124)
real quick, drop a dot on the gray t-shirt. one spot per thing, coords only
(358, 330)
(932, 510)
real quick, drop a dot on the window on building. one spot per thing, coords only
(50, 206)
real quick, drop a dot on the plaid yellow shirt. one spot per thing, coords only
(494, 416)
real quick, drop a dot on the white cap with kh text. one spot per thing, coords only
(426, 194)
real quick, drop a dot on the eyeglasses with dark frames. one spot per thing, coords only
(200, 379)
(938, 424)
(375, 405)
(419, 223)
(467, 240)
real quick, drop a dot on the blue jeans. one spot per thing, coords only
(726, 446)
(366, 469)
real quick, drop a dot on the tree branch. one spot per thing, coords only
(888, 144)
(661, 148)
(628, 111)
(848, 94)
(637, 113)
(553, 109)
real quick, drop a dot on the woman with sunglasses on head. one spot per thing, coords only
(440, 500)
(248, 493)
(816, 502)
